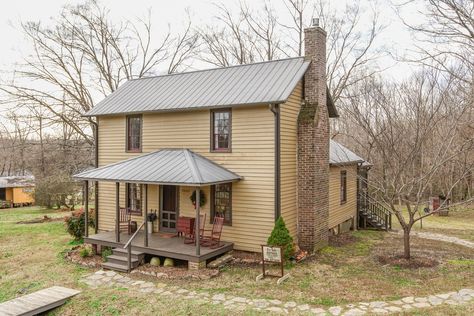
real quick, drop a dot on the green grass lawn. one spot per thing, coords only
(31, 258)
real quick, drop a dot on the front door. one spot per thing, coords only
(169, 208)
(3, 195)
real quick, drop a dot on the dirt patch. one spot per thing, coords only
(342, 240)
(45, 219)
(179, 273)
(93, 261)
(413, 263)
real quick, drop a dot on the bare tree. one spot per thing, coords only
(83, 55)
(418, 136)
(444, 36)
(253, 35)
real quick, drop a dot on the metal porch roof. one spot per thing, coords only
(17, 181)
(166, 166)
(341, 155)
(250, 84)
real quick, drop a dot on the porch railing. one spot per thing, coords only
(128, 246)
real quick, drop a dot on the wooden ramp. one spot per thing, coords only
(37, 302)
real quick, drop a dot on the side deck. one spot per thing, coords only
(160, 245)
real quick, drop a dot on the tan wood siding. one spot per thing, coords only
(23, 195)
(339, 213)
(252, 157)
(288, 138)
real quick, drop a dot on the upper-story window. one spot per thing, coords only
(221, 127)
(343, 187)
(134, 133)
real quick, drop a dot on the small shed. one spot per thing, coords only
(16, 191)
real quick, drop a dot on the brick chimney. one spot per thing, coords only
(313, 146)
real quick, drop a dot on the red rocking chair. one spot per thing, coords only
(191, 238)
(213, 240)
(124, 220)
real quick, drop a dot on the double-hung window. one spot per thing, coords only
(134, 133)
(134, 198)
(221, 130)
(222, 202)
(343, 186)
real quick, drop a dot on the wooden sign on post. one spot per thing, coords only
(272, 254)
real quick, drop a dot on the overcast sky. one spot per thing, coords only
(395, 37)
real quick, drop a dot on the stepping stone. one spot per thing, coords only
(304, 307)
(421, 305)
(219, 297)
(354, 312)
(409, 299)
(318, 310)
(275, 309)
(335, 310)
(393, 309)
(378, 304)
(380, 311)
(290, 304)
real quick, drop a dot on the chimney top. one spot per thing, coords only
(315, 22)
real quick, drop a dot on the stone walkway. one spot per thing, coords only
(445, 238)
(110, 279)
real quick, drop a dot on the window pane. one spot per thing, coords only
(222, 202)
(134, 126)
(221, 130)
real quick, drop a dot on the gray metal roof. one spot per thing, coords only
(17, 181)
(166, 166)
(341, 155)
(251, 84)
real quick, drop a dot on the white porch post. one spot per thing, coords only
(196, 231)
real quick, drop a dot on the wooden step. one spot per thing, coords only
(115, 266)
(122, 260)
(123, 252)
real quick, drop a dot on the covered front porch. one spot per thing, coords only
(161, 245)
(165, 173)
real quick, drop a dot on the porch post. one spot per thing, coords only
(117, 211)
(86, 208)
(145, 215)
(196, 231)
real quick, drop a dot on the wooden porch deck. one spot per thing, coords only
(170, 247)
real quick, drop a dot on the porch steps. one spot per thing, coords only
(118, 260)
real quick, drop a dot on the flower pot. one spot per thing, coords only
(150, 227)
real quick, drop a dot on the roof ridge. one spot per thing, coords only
(216, 68)
(192, 163)
(215, 163)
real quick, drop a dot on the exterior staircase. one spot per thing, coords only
(118, 260)
(373, 214)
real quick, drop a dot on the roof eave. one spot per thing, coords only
(188, 109)
(157, 182)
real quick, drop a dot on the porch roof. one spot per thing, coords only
(167, 167)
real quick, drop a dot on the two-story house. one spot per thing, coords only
(253, 139)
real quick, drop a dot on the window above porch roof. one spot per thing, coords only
(166, 167)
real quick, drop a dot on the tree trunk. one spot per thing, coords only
(406, 243)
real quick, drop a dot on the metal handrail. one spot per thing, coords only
(128, 246)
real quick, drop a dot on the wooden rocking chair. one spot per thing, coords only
(191, 239)
(124, 220)
(213, 240)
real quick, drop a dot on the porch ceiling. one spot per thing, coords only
(166, 167)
